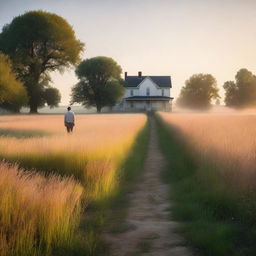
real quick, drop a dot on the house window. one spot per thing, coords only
(148, 91)
(131, 92)
(132, 105)
(162, 92)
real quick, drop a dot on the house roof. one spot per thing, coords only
(161, 81)
(149, 98)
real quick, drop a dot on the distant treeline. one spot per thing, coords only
(201, 89)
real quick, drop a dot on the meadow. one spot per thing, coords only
(48, 177)
(212, 175)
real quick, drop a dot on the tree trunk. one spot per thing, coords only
(33, 109)
(16, 111)
(34, 91)
(98, 109)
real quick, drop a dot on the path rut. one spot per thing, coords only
(150, 232)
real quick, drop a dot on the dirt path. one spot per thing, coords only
(150, 230)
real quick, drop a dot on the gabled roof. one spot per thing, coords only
(161, 81)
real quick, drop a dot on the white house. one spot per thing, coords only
(146, 93)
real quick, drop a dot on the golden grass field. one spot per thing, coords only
(227, 141)
(212, 172)
(38, 212)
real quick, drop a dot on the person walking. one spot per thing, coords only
(69, 120)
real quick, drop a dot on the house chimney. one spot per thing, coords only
(139, 74)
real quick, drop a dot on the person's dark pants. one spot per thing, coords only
(69, 127)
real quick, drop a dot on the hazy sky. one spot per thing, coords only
(158, 37)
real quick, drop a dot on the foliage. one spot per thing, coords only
(242, 92)
(39, 42)
(46, 93)
(198, 92)
(52, 97)
(12, 92)
(100, 83)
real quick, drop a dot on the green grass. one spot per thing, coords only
(144, 246)
(129, 173)
(109, 205)
(63, 163)
(109, 213)
(215, 221)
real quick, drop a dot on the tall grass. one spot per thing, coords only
(37, 214)
(212, 171)
(109, 213)
(92, 156)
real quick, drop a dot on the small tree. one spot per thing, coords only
(39, 42)
(12, 92)
(52, 97)
(100, 83)
(230, 93)
(242, 92)
(198, 92)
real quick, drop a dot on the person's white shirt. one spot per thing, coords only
(69, 117)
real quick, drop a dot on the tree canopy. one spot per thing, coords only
(12, 92)
(39, 42)
(100, 83)
(198, 92)
(52, 97)
(242, 92)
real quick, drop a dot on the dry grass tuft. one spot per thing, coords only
(36, 213)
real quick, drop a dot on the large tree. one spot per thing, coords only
(198, 92)
(39, 42)
(242, 92)
(100, 83)
(12, 92)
